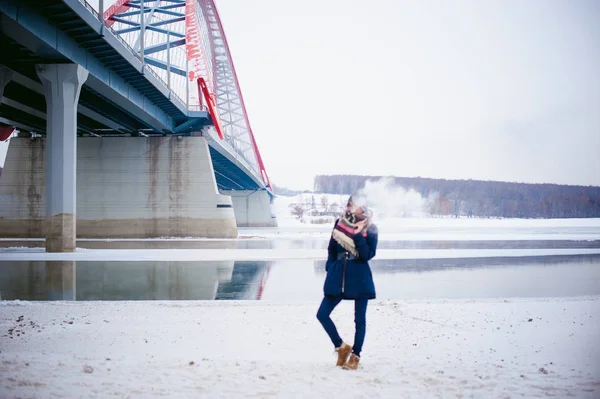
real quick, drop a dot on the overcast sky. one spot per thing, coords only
(499, 90)
(494, 90)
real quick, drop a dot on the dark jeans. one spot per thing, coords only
(360, 320)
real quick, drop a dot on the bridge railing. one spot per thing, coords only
(237, 155)
(100, 16)
(90, 8)
(193, 107)
(229, 144)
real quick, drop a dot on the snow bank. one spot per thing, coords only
(446, 229)
(32, 254)
(443, 349)
(409, 229)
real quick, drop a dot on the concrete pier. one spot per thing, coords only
(62, 86)
(252, 208)
(127, 187)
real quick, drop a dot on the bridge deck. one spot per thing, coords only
(122, 95)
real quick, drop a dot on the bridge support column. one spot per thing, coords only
(252, 208)
(127, 187)
(62, 85)
(22, 189)
(136, 187)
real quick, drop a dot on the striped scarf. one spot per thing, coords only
(343, 232)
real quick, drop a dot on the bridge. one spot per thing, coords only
(127, 121)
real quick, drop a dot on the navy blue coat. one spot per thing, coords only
(352, 278)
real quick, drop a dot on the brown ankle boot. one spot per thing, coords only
(343, 353)
(352, 362)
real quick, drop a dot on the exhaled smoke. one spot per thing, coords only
(388, 200)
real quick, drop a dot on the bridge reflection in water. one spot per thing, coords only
(159, 280)
(299, 280)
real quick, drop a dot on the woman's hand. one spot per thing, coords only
(359, 226)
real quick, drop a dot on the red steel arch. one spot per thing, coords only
(212, 68)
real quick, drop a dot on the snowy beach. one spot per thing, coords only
(539, 347)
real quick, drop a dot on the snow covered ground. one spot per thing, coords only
(456, 229)
(531, 348)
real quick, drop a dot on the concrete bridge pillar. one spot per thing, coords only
(127, 187)
(135, 187)
(62, 85)
(252, 208)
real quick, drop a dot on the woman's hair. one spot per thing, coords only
(358, 201)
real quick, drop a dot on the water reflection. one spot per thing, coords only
(88, 281)
(298, 280)
(390, 266)
(247, 281)
(535, 276)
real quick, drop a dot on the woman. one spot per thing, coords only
(353, 243)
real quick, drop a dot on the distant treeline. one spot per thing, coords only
(478, 198)
(280, 190)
